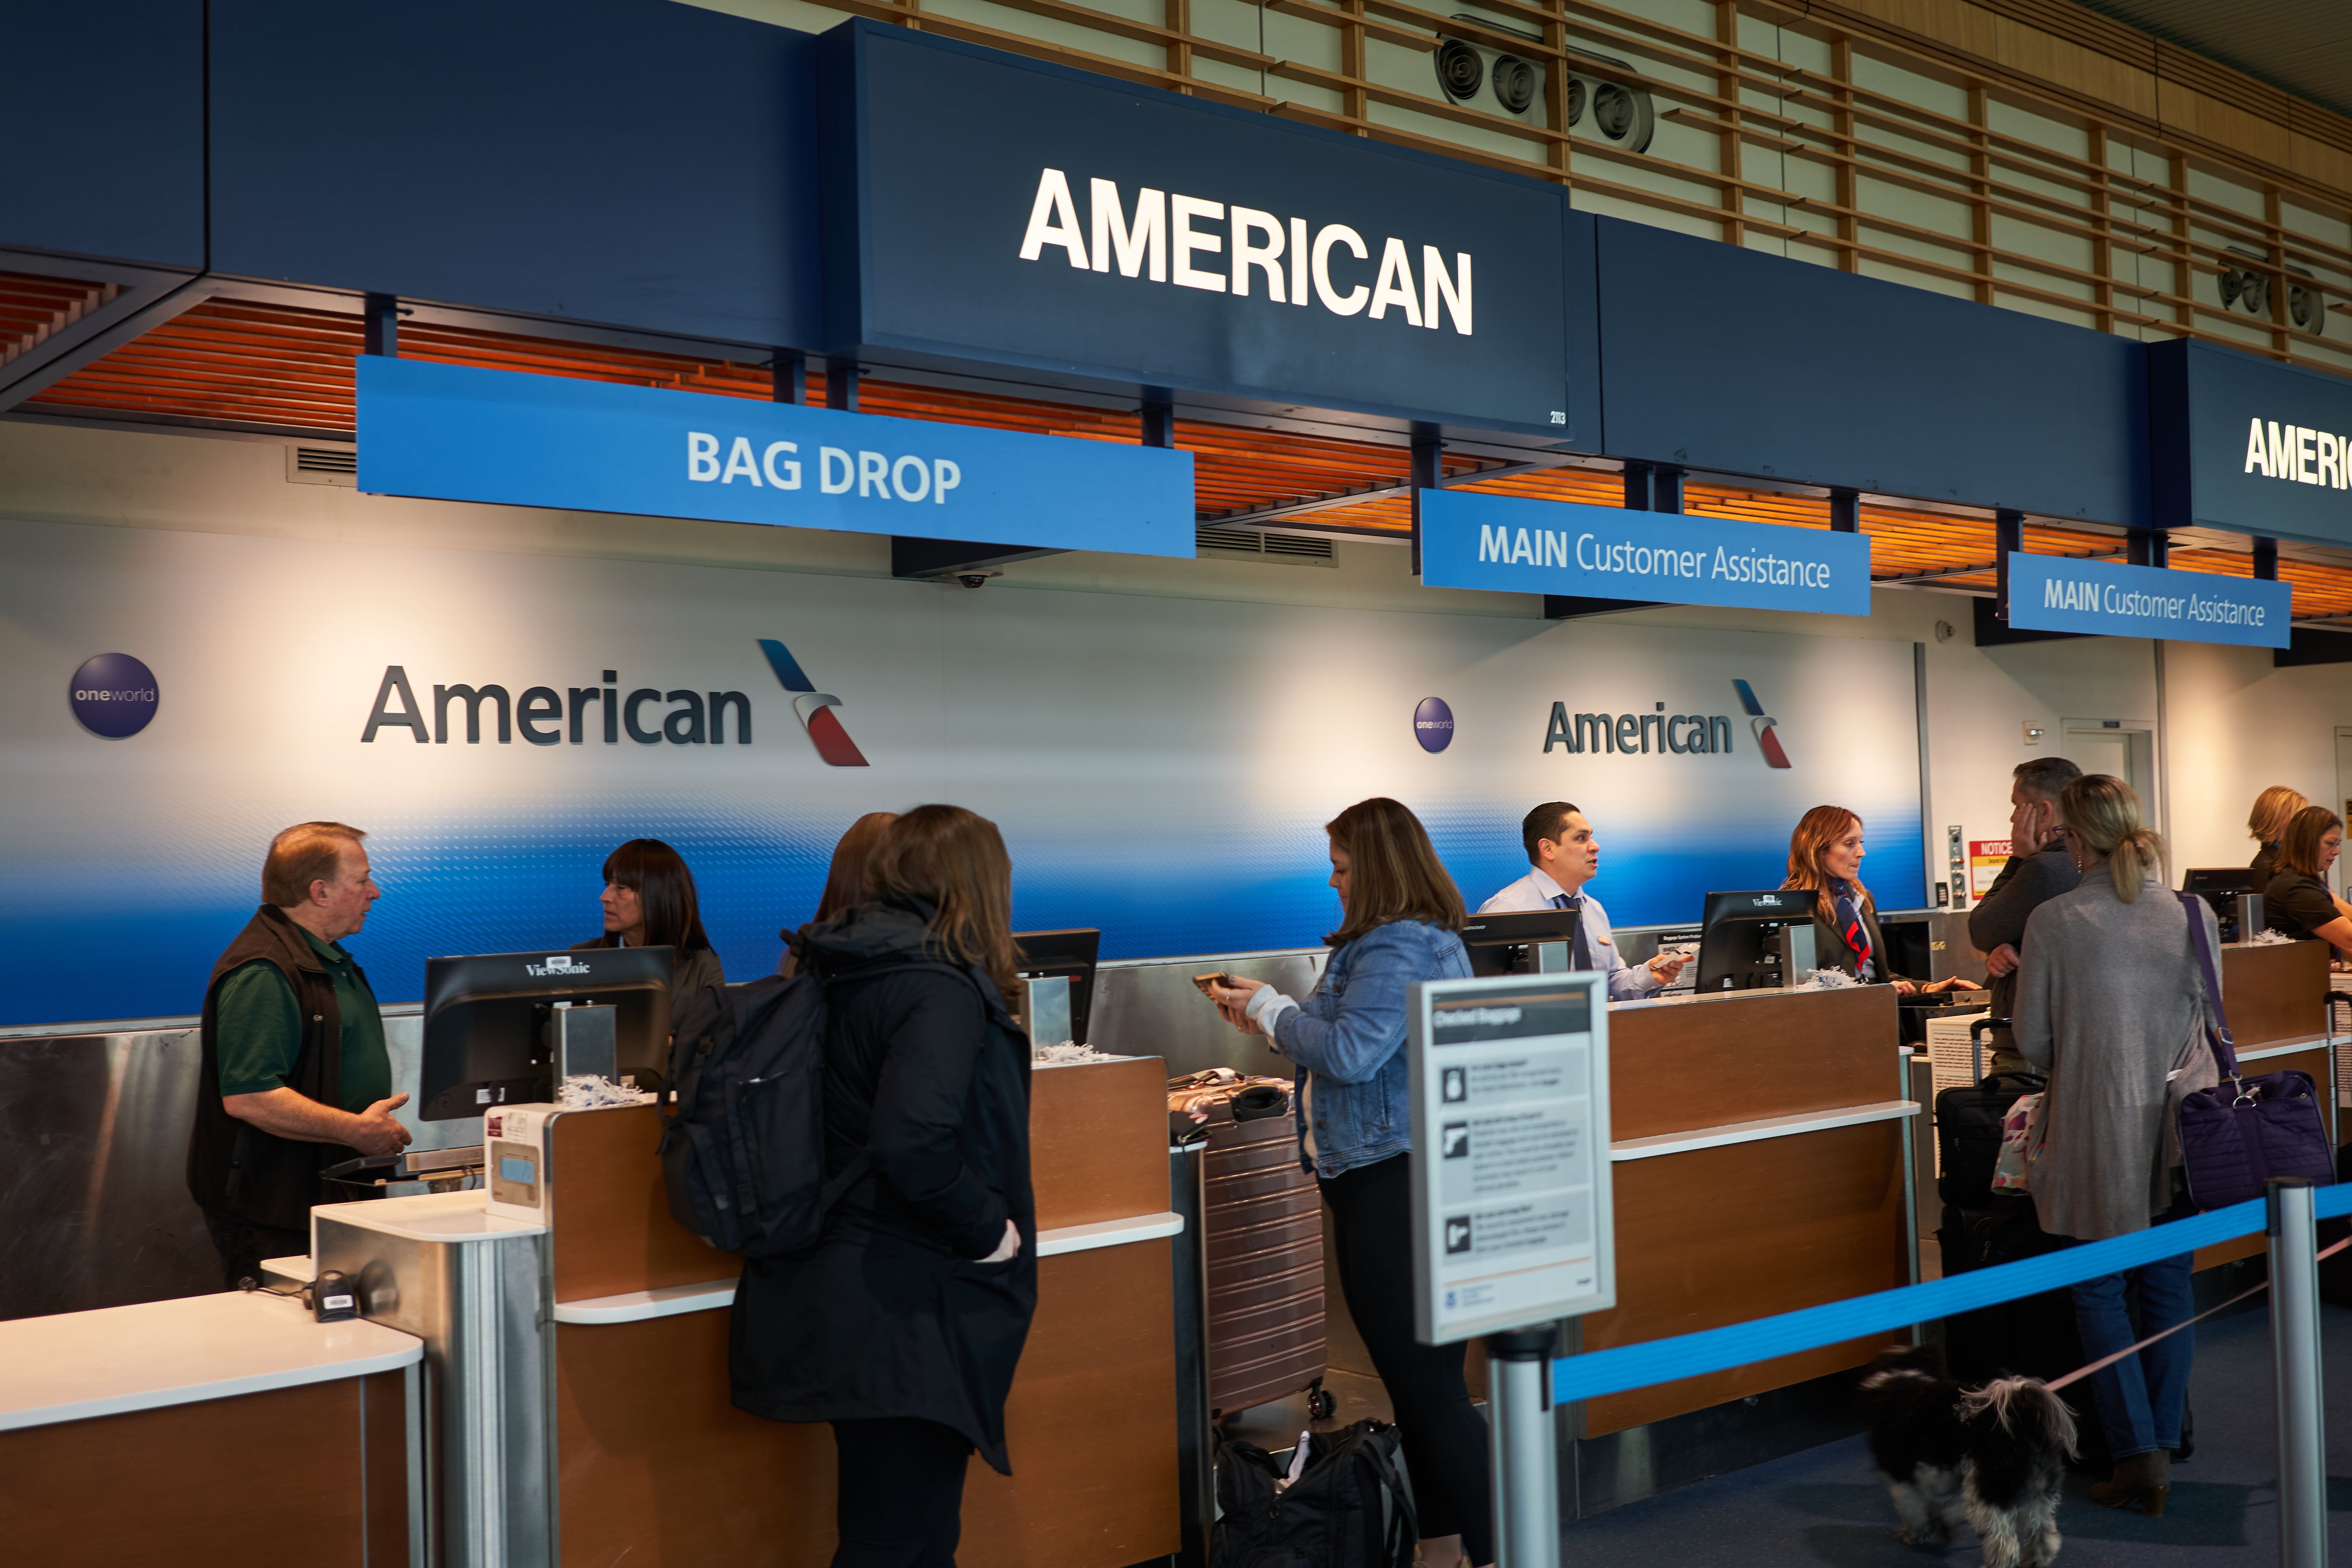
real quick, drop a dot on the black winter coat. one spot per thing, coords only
(887, 1315)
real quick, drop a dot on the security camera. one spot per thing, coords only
(973, 579)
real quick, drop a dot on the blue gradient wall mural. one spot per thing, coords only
(1160, 766)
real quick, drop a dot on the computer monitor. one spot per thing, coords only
(2219, 887)
(486, 1021)
(1739, 938)
(1504, 944)
(1041, 954)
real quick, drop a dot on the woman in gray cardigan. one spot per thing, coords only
(2110, 1003)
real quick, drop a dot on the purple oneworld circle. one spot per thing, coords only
(113, 695)
(1433, 724)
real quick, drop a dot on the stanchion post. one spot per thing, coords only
(1523, 1448)
(2294, 1353)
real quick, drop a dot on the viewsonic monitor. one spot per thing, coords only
(486, 1021)
(1041, 954)
(1504, 944)
(2219, 887)
(1739, 938)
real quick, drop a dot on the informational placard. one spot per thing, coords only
(2056, 594)
(1516, 545)
(458, 433)
(1986, 859)
(1511, 1205)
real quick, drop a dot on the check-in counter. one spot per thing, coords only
(598, 1343)
(196, 1430)
(1759, 1148)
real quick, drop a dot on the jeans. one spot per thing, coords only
(900, 1502)
(1445, 1440)
(2141, 1396)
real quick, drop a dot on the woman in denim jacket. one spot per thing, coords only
(1400, 912)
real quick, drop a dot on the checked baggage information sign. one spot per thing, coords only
(1512, 1217)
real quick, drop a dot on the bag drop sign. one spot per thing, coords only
(456, 433)
(1512, 1211)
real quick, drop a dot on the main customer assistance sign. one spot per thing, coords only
(2053, 594)
(1518, 545)
(1511, 1201)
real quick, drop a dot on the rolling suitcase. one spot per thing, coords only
(1262, 1233)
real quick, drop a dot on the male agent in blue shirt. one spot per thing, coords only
(1563, 855)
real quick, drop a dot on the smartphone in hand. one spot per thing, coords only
(1206, 981)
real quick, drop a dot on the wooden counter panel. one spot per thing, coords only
(2275, 992)
(662, 1470)
(1721, 1236)
(199, 1483)
(614, 1232)
(383, 1435)
(1098, 1141)
(1713, 1061)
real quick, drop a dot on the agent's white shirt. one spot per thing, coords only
(1535, 891)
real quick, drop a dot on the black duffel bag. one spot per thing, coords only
(1352, 1506)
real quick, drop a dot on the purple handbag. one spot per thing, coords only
(2237, 1135)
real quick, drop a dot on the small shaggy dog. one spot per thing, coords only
(1994, 1455)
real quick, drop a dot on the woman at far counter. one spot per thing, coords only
(1825, 860)
(1400, 914)
(2298, 902)
(2267, 824)
(649, 901)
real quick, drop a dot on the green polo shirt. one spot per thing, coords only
(261, 1029)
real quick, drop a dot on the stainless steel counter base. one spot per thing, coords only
(477, 1291)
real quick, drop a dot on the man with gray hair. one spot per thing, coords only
(294, 1075)
(2038, 871)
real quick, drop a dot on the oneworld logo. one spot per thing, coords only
(113, 695)
(2296, 453)
(1433, 724)
(1160, 235)
(557, 963)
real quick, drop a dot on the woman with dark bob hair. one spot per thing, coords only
(649, 901)
(1400, 915)
(903, 1324)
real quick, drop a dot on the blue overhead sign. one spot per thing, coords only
(1514, 545)
(981, 206)
(454, 433)
(2250, 445)
(2052, 594)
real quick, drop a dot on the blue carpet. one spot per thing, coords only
(1827, 1505)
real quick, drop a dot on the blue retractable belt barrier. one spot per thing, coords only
(1597, 1372)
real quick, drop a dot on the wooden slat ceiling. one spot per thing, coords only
(32, 308)
(285, 369)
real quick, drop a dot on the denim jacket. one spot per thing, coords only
(1349, 1033)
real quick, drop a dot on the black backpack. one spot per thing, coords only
(1352, 1508)
(742, 1143)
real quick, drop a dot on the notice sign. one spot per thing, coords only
(2052, 594)
(1511, 1205)
(1516, 545)
(1986, 859)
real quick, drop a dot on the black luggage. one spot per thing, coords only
(1352, 1506)
(1968, 1136)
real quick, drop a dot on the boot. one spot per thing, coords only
(2142, 1479)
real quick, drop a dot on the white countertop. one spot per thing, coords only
(428, 1217)
(75, 1365)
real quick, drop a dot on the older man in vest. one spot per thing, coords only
(295, 1076)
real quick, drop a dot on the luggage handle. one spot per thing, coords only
(1976, 1040)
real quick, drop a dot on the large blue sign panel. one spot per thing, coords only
(981, 206)
(1520, 546)
(2052, 594)
(455, 433)
(2250, 445)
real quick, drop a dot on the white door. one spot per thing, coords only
(2121, 748)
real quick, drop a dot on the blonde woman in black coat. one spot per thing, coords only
(903, 1325)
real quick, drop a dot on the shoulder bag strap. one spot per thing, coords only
(2217, 1019)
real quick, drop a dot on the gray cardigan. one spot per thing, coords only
(2111, 1003)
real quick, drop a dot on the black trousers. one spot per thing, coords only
(1444, 1439)
(900, 1502)
(242, 1246)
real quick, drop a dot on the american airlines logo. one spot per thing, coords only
(816, 709)
(1767, 739)
(2304, 456)
(1687, 734)
(557, 963)
(1160, 234)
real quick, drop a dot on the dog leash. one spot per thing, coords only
(2246, 1295)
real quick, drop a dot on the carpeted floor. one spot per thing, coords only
(1828, 1506)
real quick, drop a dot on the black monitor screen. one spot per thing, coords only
(1739, 938)
(1072, 952)
(1504, 943)
(486, 1021)
(2219, 887)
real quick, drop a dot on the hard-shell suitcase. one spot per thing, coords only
(1262, 1231)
